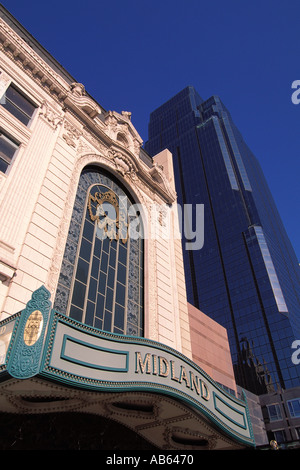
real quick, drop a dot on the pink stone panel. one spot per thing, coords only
(210, 348)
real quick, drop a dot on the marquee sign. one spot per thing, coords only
(40, 341)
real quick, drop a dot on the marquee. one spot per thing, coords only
(39, 341)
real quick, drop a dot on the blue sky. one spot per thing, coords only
(134, 55)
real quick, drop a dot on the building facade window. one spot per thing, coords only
(279, 436)
(102, 277)
(274, 412)
(294, 407)
(263, 245)
(8, 149)
(18, 104)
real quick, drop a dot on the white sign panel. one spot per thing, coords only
(98, 360)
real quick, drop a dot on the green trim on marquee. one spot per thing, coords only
(39, 341)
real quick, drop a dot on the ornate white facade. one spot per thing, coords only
(67, 132)
(51, 130)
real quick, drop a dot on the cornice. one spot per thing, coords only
(71, 96)
(77, 100)
(24, 56)
(122, 123)
(115, 130)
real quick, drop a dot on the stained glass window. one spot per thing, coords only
(101, 280)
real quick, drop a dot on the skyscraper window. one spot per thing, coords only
(246, 276)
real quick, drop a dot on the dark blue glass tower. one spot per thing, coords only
(246, 276)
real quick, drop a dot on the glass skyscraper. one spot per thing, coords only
(246, 275)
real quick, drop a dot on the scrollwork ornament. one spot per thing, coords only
(50, 116)
(123, 165)
(25, 357)
(71, 135)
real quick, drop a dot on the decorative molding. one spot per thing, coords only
(7, 247)
(83, 148)
(50, 116)
(127, 115)
(128, 165)
(25, 357)
(121, 130)
(77, 99)
(77, 89)
(124, 165)
(96, 142)
(73, 96)
(20, 52)
(157, 173)
(71, 134)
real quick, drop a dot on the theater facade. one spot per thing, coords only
(94, 316)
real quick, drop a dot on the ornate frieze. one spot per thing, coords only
(50, 116)
(19, 51)
(71, 134)
(97, 143)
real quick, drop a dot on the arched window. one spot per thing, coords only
(101, 279)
